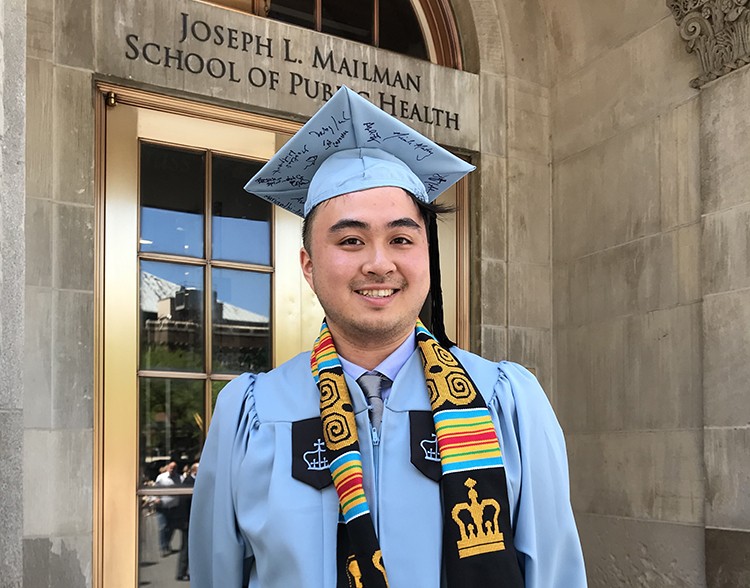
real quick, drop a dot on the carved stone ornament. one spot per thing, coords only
(718, 31)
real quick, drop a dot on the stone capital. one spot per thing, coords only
(718, 31)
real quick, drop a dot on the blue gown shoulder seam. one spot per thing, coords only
(240, 394)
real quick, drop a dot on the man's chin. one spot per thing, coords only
(375, 330)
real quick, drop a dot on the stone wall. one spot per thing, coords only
(12, 177)
(58, 376)
(511, 274)
(626, 244)
(725, 176)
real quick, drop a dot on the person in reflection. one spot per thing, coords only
(183, 523)
(166, 507)
(386, 456)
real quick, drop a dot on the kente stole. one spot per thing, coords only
(477, 535)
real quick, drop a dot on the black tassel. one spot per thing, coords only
(437, 324)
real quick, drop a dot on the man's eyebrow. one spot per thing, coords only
(406, 223)
(351, 223)
(348, 223)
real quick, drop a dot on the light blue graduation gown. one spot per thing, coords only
(248, 509)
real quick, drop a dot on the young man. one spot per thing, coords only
(386, 456)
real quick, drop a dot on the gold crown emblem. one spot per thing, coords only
(354, 574)
(482, 534)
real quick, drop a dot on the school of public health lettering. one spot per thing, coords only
(209, 36)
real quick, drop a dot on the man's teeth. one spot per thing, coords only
(376, 293)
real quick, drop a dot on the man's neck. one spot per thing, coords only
(367, 355)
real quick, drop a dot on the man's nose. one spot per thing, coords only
(378, 261)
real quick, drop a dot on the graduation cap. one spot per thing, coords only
(351, 145)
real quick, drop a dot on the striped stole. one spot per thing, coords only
(477, 535)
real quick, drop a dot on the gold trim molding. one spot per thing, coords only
(181, 106)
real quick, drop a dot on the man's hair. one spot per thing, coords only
(428, 210)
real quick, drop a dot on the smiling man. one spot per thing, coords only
(386, 456)
(371, 270)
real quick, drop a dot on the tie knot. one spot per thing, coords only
(370, 384)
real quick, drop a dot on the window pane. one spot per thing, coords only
(399, 29)
(351, 20)
(171, 316)
(171, 428)
(171, 423)
(158, 565)
(296, 12)
(241, 224)
(172, 200)
(241, 328)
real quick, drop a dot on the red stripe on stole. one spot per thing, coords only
(469, 447)
(324, 345)
(452, 440)
(353, 481)
(356, 491)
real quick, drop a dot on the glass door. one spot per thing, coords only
(191, 295)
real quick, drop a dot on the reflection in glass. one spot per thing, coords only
(399, 29)
(241, 226)
(171, 426)
(171, 316)
(159, 564)
(172, 200)
(241, 329)
(350, 20)
(296, 12)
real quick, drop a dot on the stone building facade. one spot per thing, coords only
(608, 225)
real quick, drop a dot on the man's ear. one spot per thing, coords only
(305, 262)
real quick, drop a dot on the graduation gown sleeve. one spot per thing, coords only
(217, 549)
(534, 451)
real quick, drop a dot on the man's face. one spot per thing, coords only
(369, 264)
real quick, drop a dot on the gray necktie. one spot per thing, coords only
(370, 384)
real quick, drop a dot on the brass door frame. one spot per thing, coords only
(116, 331)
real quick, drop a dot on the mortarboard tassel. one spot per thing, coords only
(437, 324)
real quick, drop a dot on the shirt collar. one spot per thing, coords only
(390, 366)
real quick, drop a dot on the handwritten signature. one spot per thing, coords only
(424, 150)
(433, 181)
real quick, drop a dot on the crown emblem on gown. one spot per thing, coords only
(430, 448)
(482, 533)
(316, 459)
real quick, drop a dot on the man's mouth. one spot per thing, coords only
(380, 293)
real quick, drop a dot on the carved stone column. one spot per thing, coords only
(718, 31)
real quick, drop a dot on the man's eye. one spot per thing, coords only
(401, 241)
(351, 241)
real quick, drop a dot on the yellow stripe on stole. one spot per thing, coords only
(470, 423)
